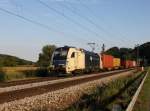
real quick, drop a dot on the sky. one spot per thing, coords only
(27, 25)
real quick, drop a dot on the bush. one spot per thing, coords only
(14, 76)
(2, 76)
(42, 72)
(22, 74)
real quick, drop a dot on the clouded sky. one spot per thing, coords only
(27, 25)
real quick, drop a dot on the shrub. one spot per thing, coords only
(2, 76)
(42, 72)
(14, 76)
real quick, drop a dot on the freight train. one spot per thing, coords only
(74, 60)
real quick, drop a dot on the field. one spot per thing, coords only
(143, 101)
(15, 73)
(23, 68)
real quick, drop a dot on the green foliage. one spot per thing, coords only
(126, 54)
(42, 72)
(45, 56)
(144, 51)
(2, 75)
(14, 76)
(143, 101)
(113, 51)
(123, 53)
(7, 60)
(22, 74)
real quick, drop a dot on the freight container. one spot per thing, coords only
(130, 64)
(107, 61)
(116, 63)
(125, 63)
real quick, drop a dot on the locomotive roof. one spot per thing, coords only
(87, 52)
(65, 47)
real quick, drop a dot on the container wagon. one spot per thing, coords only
(107, 62)
(116, 63)
(130, 63)
(125, 63)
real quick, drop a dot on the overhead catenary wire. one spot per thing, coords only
(16, 5)
(92, 13)
(91, 22)
(70, 19)
(44, 25)
(30, 20)
(35, 23)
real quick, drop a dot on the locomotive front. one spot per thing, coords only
(59, 59)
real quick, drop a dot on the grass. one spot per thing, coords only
(117, 93)
(18, 73)
(19, 68)
(143, 101)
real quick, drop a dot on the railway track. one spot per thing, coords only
(11, 95)
(27, 81)
(34, 80)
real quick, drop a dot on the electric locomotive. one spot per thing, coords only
(73, 60)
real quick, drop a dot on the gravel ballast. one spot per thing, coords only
(57, 100)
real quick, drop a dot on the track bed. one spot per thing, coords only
(19, 94)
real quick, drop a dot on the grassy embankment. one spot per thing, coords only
(143, 101)
(15, 73)
(116, 94)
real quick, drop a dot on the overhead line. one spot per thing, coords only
(88, 20)
(68, 18)
(30, 20)
(33, 22)
(96, 24)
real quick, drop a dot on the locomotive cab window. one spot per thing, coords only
(73, 55)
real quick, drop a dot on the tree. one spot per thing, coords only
(114, 51)
(144, 52)
(45, 56)
(123, 53)
(126, 54)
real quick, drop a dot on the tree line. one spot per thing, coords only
(141, 52)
